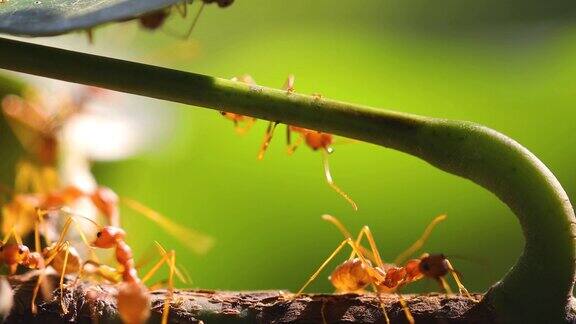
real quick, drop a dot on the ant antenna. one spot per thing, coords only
(331, 181)
(195, 20)
(420, 242)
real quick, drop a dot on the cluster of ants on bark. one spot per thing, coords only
(40, 206)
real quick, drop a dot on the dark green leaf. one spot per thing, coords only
(53, 17)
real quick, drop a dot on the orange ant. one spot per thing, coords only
(21, 210)
(15, 254)
(133, 300)
(358, 272)
(316, 140)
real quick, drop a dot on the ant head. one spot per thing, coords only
(14, 253)
(434, 266)
(108, 236)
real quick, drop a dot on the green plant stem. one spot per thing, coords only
(538, 287)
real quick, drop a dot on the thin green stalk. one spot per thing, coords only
(538, 288)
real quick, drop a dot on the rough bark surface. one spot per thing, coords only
(90, 303)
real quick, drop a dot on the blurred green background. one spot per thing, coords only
(510, 66)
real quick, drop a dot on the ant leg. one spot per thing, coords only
(267, 138)
(193, 240)
(33, 307)
(381, 303)
(292, 146)
(373, 256)
(241, 130)
(405, 308)
(90, 35)
(322, 312)
(376, 255)
(195, 20)
(461, 288)
(168, 299)
(444, 285)
(179, 273)
(103, 271)
(420, 242)
(325, 263)
(182, 9)
(164, 259)
(65, 264)
(331, 181)
(170, 259)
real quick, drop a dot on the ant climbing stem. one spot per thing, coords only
(316, 140)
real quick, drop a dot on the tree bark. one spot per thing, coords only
(95, 303)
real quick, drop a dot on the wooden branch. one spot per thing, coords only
(88, 303)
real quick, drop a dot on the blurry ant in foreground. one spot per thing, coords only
(356, 273)
(156, 19)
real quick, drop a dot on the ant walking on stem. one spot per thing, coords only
(315, 140)
(356, 273)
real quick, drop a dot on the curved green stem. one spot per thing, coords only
(539, 286)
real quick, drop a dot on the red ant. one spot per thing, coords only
(133, 300)
(15, 254)
(21, 212)
(316, 140)
(358, 272)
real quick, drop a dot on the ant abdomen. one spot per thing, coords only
(153, 20)
(352, 275)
